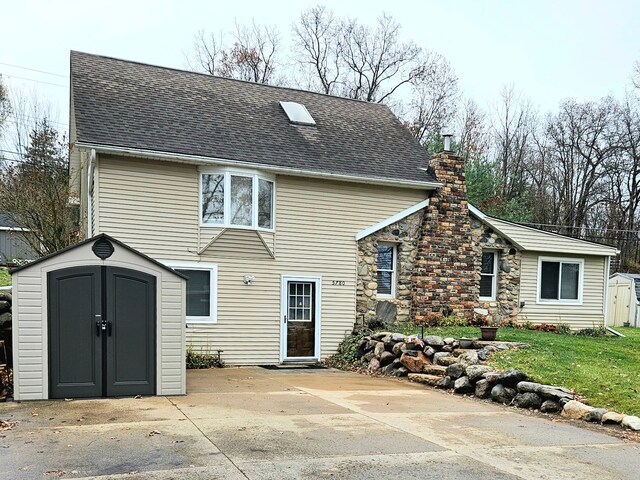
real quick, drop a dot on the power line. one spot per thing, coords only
(22, 121)
(34, 80)
(34, 70)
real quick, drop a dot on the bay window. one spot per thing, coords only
(236, 199)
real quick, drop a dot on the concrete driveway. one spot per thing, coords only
(240, 423)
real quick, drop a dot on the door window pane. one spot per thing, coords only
(198, 292)
(213, 198)
(241, 200)
(300, 302)
(265, 204)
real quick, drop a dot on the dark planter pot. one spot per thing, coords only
(626, 324)
(488, 333)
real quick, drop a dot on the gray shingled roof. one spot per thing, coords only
(127, 104)
(6, 221)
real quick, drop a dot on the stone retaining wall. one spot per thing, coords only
(440, 362)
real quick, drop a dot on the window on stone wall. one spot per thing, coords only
(386, 264)
(488, 276)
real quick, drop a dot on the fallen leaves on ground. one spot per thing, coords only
(7, 425)
(154, 432)
(57, 473)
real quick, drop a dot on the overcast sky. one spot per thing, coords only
(549, 50)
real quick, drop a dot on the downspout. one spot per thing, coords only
(92, 160)
(606, 291)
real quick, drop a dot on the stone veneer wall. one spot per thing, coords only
(404, 234)
(445, 274)
(506, 304)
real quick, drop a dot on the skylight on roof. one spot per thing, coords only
(297, 113)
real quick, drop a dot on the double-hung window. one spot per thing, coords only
(386, 270)
(488, 276)
(201, 301)
(560, 280)
(237, 199)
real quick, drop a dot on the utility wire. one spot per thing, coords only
(34, 80)
(34, 70)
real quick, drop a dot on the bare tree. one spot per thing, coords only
(473, 140)
(35, 192)
(435, 97)
(252, 56)
(318, 41)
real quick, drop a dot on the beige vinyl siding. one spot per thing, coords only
(316, 223)
(533, 239)
(590, 313)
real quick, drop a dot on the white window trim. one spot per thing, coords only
(228, 172)
(393, 271)
(494, 283)
(212, 318)
(561, 260)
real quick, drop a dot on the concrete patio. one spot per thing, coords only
(256, 423)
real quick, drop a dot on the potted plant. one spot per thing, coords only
(487, 332)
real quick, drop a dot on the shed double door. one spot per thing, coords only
(102, 340)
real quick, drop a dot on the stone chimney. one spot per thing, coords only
(444, 275)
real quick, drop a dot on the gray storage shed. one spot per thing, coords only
(98, 319)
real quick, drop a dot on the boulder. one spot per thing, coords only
(469, 358)
(491, 377)
(483, 389)
(429, 351)
(4, 306)
(363, 348)
(527, 400)
(612, 417)
(5, 320)
(512, 377)
(400, 372)
(379, 348)
(549, 406)
(412, 346)
(424, 378)
(434, 370)
(374, 365)
(474, 372)
(386, 359)
(455, 370)
(483, 355)
(595, 415)
(576, 410)
(434, 341)
(438, 355)
(524, 387)
(631, 422)
(463, 385)
(447, 348)
(380, 335)
(5, 296)
(388, 346)
(502, 394)
(415, 363)
(386, 370)
(397, 349)
(398, 337)
(446, 361)
(445, 382)
(448, 340)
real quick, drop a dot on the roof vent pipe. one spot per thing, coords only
(447, 141)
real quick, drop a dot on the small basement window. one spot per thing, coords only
(297, 113)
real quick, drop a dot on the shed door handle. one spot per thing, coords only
(98, 325)
(109, 328)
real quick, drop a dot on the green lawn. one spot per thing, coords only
(5, 278)
(605, 370)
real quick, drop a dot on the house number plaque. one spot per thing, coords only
(340, 283)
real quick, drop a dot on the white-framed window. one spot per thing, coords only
(560, 280)
(202, 290)
(386, 271)
(488, 275)
(236, 198)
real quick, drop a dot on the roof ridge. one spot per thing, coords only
(218, 77)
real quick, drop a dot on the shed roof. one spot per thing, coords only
(533, 239)
(126, 104)
(93, 239)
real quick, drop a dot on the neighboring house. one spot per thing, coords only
(13, 246)
(624, 300)
(294, 214)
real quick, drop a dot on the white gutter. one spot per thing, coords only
(392, 219)
(92, 159)
(200, 160)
